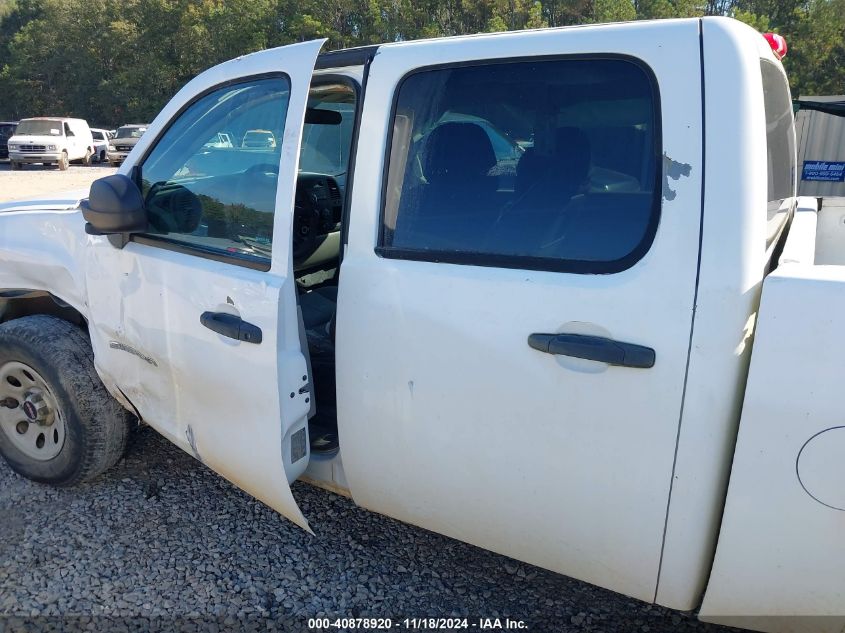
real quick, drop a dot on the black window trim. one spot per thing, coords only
(521, 262)
(167, 243)
(205, 252)
(346, 57)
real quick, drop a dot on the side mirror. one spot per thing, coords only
(114, 205)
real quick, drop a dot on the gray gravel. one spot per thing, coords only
(162, 543)
(36, 180)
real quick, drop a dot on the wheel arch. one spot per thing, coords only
(16, 303)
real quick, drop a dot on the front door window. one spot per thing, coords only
(210, 182)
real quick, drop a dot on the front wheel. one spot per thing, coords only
(64, 162)
(58, 423)
(16, 165)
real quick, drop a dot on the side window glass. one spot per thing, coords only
(538, 164)
(68, 132)
(780, 148)
(210, 181)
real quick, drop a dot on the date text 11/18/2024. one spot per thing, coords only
(415, 624)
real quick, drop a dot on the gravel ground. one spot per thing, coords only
(160, 542)
(35, 180)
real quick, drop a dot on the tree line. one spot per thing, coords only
(117, 61)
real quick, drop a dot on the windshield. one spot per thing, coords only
(130, 132)
(326, 147)
(40, 127)
(6, 131)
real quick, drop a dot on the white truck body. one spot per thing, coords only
(613, 473)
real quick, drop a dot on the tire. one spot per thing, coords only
(64, 162)
(88, 157)
(102, 158)
(95, 427)
(16, 166)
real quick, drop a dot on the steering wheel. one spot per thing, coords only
(306, 224)
(172, 208)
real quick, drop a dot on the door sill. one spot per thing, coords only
(326, 471)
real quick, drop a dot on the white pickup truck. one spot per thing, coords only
(503, 287)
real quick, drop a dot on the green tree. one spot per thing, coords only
(113, 61)
(816, 58)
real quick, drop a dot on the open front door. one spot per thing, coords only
(195, 321)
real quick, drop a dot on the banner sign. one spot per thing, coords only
(823, 170)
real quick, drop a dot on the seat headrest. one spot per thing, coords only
(458, 150)
(572, 154)
(564, 170)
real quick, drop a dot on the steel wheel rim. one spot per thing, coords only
(30, 416)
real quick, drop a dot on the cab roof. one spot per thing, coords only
(360, 55)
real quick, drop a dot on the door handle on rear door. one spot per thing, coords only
(598, 348)
(231, 326)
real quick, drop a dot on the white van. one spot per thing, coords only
(49, 140)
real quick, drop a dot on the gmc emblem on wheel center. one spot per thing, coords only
(30, 410)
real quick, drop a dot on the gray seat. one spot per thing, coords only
(459, 193)
(545, 180)
(545, 188)
(318, 306)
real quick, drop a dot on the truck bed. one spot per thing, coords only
(817, 234)
(778, 563)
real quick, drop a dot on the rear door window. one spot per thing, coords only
(549, 164)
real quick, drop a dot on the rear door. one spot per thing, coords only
(195, 321)
(513, 326)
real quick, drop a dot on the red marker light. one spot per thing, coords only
(777, 43)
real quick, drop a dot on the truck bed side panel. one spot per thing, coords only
(781, 548)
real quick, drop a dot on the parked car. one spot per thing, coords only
(101, 144)
(7, 129)
(557, 368)
(125, 138)
(259, 139)
(51, 140)
(219, 140)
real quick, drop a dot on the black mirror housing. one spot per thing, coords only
(114, 205)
